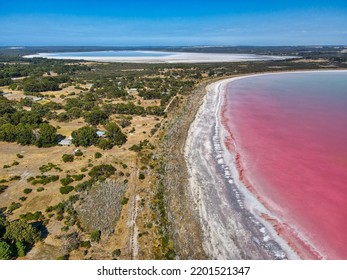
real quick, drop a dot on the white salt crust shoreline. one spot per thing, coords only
(214, 186)
(171, 57)
(229, 230)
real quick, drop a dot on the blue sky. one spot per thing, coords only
(160, 23)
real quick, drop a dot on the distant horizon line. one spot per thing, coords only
(167, 46)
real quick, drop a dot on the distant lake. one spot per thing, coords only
(144, 56)
(110, 54)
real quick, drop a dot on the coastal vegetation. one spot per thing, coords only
(116, 182)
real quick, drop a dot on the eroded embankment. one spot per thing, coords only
(183, 216)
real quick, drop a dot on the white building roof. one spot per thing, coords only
(65, 142)
(100, 133)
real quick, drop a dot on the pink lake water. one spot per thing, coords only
(290, 131)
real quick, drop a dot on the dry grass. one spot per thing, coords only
(130, 221)
(66, 128)
(35, 157)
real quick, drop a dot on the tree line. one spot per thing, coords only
(25, 127)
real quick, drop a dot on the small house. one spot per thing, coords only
(65, 142)
(36, 99)
(101, 133)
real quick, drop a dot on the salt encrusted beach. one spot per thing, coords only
(230, 230)
(161, 57)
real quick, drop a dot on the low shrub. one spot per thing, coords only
(66, 189)
(124, 200)
(85, 244)
(78, 153)
(43, 179)
(36, 216)
(15, 178)
(13, 206)
(65, 181)
(95, 236)
(27, 191)
(68, 158)
(78, 177)
(98, 155)
(3, 188)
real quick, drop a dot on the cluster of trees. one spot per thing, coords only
(25, 127)
(101, 172)
(44, 136)
(16, 238)
(5, 82)
(145, 144)
(38, 66)
(96, 116)
(108, 89)
(86, 136)
(85, 102)
(13, 70)
(150, 94)
(85, 107)
(39, 83)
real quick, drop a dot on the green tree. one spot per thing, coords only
(124, 122)
(98, 155)
(66, 189)
(21, 249)
(73, 103)
(32, 118)
(5, 82)
(74, 112)
(3, 224)
(95, 236)
(6, 106)
(37, 84)
(63, 117)
(65, 181)
(68, 158)
(95, 117)
(85, 136)
(105, 144)
(40, 109)
(8, 133)
(25, 135)
(47, 136)
(78, 153)
(102, 171)
(22, 231)
(5, 251)
(115, 134)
